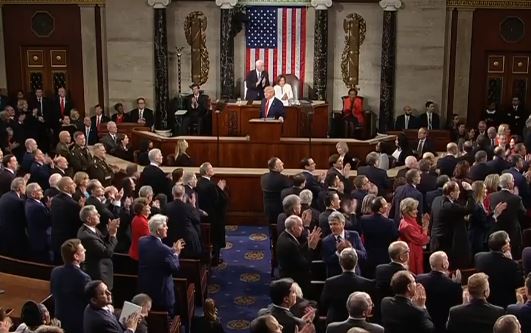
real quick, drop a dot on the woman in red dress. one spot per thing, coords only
(139, 225)
(353, 109)
(413, 234)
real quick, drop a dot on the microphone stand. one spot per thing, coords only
(220, 106)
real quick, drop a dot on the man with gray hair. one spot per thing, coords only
(13, 239)
(336, 288)
(256, 80)
(411, 163)
(154, 176)
(109, 139)
(509, 219)
(359, 306)
(408, 190)
(446, 164)
(157, 262)
(375, 175)
(39, 224)
(100, 248)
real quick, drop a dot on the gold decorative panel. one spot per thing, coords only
(34, 58)
(520, 64)
(58, 58)
(496, 64)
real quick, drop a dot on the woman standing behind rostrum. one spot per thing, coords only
(414, 235)
(283, 90)
(181, 156)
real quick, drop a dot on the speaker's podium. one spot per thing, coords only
(265, 130)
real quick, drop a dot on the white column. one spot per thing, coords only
(89, 53)
(462, 61)
(3, 77)
(104, 61)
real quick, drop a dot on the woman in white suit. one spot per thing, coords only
(283, 90)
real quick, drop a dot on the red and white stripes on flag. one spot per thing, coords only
(290, 54)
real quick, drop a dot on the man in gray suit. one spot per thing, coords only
(359, 306)
(109, 139)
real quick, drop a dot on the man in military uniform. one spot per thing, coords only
(63, 146)
(99, 169)
(81, 159)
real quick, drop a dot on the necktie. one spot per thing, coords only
(266, 109)
(62, 106)
(429, 121)
(338, 239)
(87, 131)
(40, 105)
(140, 114)
(421, 145)
(98, 119)
(407, 122)
(492, 142)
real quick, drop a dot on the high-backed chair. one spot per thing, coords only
(294, 82)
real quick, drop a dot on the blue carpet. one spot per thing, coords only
(240, 286)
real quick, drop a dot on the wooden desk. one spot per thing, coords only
(19, 290)
(233, 120)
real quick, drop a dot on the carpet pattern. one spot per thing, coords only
(240, 286)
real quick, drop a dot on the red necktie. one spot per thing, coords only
(62, 106)
(266, 108)
(97, 121)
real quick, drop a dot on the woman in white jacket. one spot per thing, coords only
(283, 90)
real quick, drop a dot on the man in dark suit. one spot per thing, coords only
(67, 285)
(39, 224)
(406, 121)
(504, 274)
(98, 118)
(157, 262)
(256, 80)
(142, 115)
(333, 204)
(313, 183)
(107, 211)
(64, 212)
(520, 181)
(41, 169)
(299, 182)
(110, 138)
(213, 200)
(272, 184)
(446, 164)
(441, 292)
(498, 164)
(359, 305)
(509, 219)
(406, 311)
(294, 253)
(338, 287)
(477, 315)
(184, 222)
(60, 106)
(90, 131)
(14, 241)
(428, 178)
(100, 248)
(197, 105)
(271, 107)
(338, 240)
(153, 175)
(480, 169)
(376, 175)
(408, 190)
(516, 116)
(98, 316)
(429, 119)
(410, 163)
(8, 172)
(424, 144)
(431, 195)
(523, 311)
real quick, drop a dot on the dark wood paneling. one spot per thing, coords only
(67, 32)
(451, 70)
(99, 61)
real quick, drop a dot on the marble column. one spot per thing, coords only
(3, 77)
(89, 54)
(388, 64)
(160, 45)
(226, 48)
(320, 52)
(463, 52)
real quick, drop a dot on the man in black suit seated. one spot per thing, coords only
(271, 107)
(475, 314)
(429, 119)
(13, 239)
(99, 317)
(480, 169)
(359, 305)
(197, 106)
(406, 311)
(442, 292)
(523, 310)
(498, 164)
(337, 288)
(299, 183)
(295, 253)
(142, 115)
(67, 284)
(8, 172)
(256, 81)
(283, 297)
(272, 184)
(407, 120)
(376, 175)
(446, 164)
(100, 248)
(504, 273)
(424, 143)
(154, 176)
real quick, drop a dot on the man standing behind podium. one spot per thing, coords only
(256, 81)
(271, 106)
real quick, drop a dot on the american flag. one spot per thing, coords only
(277, 35)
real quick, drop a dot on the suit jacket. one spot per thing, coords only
(377, 176)
(154, 176)
(13, 239)
(40, 173)
(504, 276)
(446, 165)
(39, 228)
(382, 277)
(329, 252)
(184, 222)
(290, 190)
(312, 184)
(435, 121)
(378, 232)
(344, 326)
(479, 171)
(478, 316)
(509, 219)
(92, 137)
(284, 317)
(98, 262)
(516, 118)
(55, 114)
(400, 315)
(104, 119)
(6, 177)
(276, 109)
(202, 106)
(441, 294)
(426, 147)
(99, 320)
(402, 192)
(400, 123)
(294, 258)
(524, 190)
(254, 92)
(428, 182)
(109, 143)
(65, 220)
(27, 161)
(336, 291)
(157, 262)
(523, 313)
(107, 212)
(67, 284)
(213, 201)
(498, 165)
(272, 184)
(147, 114)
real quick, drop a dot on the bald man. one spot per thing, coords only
(256, 81)
(272, 107)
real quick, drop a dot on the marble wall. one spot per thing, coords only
(3, 78)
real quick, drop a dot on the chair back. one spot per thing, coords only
(294, 82)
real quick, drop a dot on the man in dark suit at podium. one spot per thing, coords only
(256, 81)
(271, 106)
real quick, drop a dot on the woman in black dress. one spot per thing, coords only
(123, 151)
(181, 156)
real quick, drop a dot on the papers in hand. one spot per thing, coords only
(127, 310)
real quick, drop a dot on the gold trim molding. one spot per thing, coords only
(497, 4)
(52, 2)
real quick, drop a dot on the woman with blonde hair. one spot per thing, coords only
(343, 151)
(492, 183)
(413, 234)
(181, 156)
(366, 204)
(81, 180)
